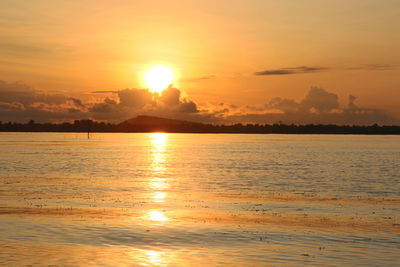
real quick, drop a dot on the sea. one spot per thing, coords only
(168, 199)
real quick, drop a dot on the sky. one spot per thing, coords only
(303, 61)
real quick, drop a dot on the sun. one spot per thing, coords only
(158, 78)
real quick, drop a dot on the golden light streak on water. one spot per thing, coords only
(158, 184)
(159, 196)
(159, 146)
(157, 216)
(159, 140)
(149, 257)
(158, 153)
(154, 257)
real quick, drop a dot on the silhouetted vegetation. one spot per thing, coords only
(154, 124)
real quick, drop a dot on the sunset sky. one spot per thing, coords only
(232, 60)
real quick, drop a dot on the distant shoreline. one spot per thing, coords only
(187, 132)
(148, 124)
(235, 133)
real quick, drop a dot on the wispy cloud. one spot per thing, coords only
(374, 67)
(287, 71)
(198, 79)
(104, 92)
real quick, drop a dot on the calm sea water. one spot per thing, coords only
(199, 199)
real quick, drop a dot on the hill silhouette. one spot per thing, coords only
(158, 124)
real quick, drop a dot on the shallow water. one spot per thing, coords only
(199, 199)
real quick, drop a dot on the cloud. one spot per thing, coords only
(287, 71)
(76, 101)
(134, 98)
(20, 102)
(283, 104)
(26, 95)
(306, 69)
(198, 79)
(14, 106)
(170, 96)
(374, 67)
(320, 100)
(351, 103)
(188, 107)
(133, 102)
(16, 92)
(108, 105)
(318, 107)
(104, 92)
(317, 100)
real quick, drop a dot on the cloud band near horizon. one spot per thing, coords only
(20, 102)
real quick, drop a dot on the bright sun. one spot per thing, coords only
(158, 78)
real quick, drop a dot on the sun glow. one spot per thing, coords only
(158, 78)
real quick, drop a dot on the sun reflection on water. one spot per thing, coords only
(157, 183)
(157, 216)
(154, 257)
(159, 196)
(158, 153)
(158, 160)
(151, 257)
(159, 139)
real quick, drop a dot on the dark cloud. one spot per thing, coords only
(170, 96)
(354, 111)
(107, 106)
(73, 110)
(26, 95)
(274, 72)
(351, 104)
(283, 104)
(320, 100)
(133, 102)
(306, 69)
(40, 112)
(14, 106)
(287, 71)
(56, 99)
(16, 92)
(317, 100)
(22, 102)
(318, 106)
(134, 98)
(76, 102)
(188, 107)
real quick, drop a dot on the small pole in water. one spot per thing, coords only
(88, 130)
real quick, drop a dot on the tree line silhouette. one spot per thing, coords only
(154, 124)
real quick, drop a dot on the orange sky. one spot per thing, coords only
(214, 47)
